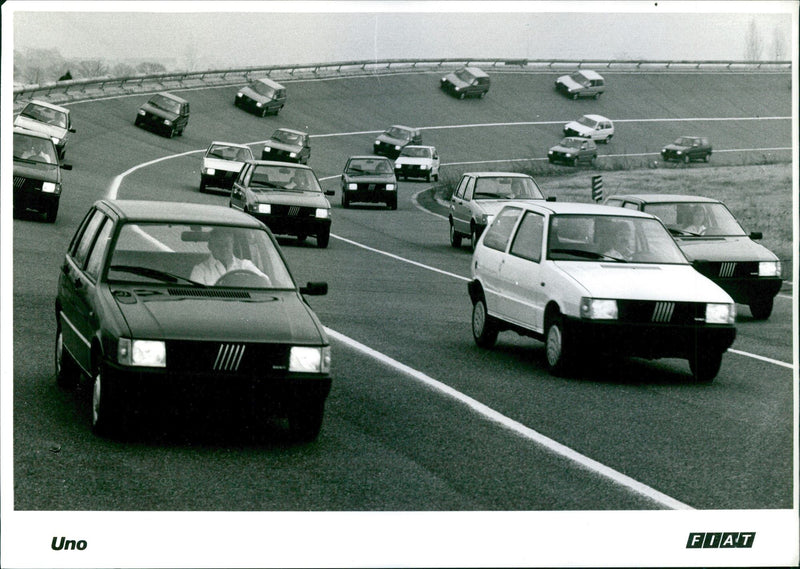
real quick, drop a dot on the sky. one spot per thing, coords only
(197, 36)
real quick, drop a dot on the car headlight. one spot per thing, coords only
(352, 186)
(458, 88)
(258, 104)
(599, 308)
(769, 269)
(267, 149)
(549, 152)
(210, 171)
(56, 141)
(322, 213)
(679, 152)
(49, 187)
(310, 360)
(390, 187)
(264, 208)
(568, 155)
(238, 94)
(147, 353)
(717, 313)
(377, 143)
(397, 147)
(424, 166)
(292, 154)
(167, 122)
(141, 112)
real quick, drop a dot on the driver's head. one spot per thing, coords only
(220, 243)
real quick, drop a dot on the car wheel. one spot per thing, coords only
(705, 367)
(593, 160)
(596, 96)
(556, 346)
(171, 132)
(264, 112)
(484, 327)
(202, 186)
(707, 157)
(461, 95)
(137, 121)
(104, 404)
(575, 161)
(305, 421)
(608, 138)
(67, 371)
(761, 309)
(436, 177)
(345, 199)
(473, 237)
(323, 237)
(392, 203)
(482, 95)
(51, 213)
(686, 159)
(428, 177)
(455, 236)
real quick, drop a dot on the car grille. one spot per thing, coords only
(292, 211)
(239, 358)
(370, 187)
(276, 153)
(22, 183)
(660, 312)
(410, 168)
(728, 269)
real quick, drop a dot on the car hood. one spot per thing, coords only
(569, 82)
(412, 160)
(724, 249)
(637, 281)
(453, 79)
(493, 207)
(250, 92)
(676, 147)
(158, 111)
(38, 171)
(283, 146)
(220, 164)
(578, 127)
(565, 149)
(391, 140)
(37, 126)
(275, 316)
(371, 179)
(303, 199)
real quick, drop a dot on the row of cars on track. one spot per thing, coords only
(170, 304)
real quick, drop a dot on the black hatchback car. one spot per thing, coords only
(186, 306)
(466, 82)
(369, 179)
(392, 141)
(37, 174)
(165, 113)
(287, 145)
(687, 148)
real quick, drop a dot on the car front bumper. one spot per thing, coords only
(28, 194)
(297, 225)
(370, 193)
(220, 179)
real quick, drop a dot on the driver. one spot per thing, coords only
(222, 260)
(34, 151)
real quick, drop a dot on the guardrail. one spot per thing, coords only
(85, 89)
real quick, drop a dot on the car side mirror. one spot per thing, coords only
(756, 235)
(71, 129)
(330, 192)
(550, 199)
(315, 289)
(66, 166)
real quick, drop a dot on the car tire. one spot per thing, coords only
(345, 199)
(51, 213)
(392, 203)
(574, 96)
(202, 186)
(761, 309)
(105, 407)
(137, 121)
(171, 132)
(556, 346)
(323, 237)
(596, 96)
(436, 177)
(574, 161)
(455, 236)
(484, 326)
(67, 371)
(473, 237)
(707, 157)
(705, 367)
(608, 138)
(305, 421)
(461, 95)
(686, 159)
(593, 161)
(482, 95)
(263, 112)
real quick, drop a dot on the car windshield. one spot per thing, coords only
(586, 121)
(416, 152)
(166, 103)
(34, 149)
(198, 256)
(268, 177)
(694, 219)
(579, 77)
(684, 141)
(367, 166)
(396, 132)
(227, 152)
(262, 89)
(465, 75)
(287, 137)
(45, 114)
(506, 188)
(572, 143)
(611, 238)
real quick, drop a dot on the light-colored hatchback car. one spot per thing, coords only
(595, 127)
(581, 83)
(222, 163)
(589, 279)
(417, 162)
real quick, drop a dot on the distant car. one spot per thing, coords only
(222, 163)
(49, 119)
(394, 139)
(466, 82)
(573, 150)
(262, 96)
(591, 281)
(37, 174)
(711, 237)
(165, 113)
(687, 148)
(369, 179)
(581, 83)
(480, 195)
(417, 162)
(287, 145)
(147, 311)
(286, 197)
(595, 127)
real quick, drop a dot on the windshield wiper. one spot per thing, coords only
(488, 195)
(264, 185)
(154, 274)
(588, 254)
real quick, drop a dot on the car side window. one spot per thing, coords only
(499, 232)
(461, 187)
(243, 175)
(470, 189)
(96, 256)
(528, 240)
(84, 244)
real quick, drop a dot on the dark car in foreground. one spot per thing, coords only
(466, 82)
(687, 148)
(173, 306)
(711, 237)
(573, 150)
(37, 174)
(394, 139)
(287, 145)
(369, 179)
(222, 163)
(286, 197)
(164, 113)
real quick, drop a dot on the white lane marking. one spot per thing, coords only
(762, 358)
(517, 427)
(113, 189)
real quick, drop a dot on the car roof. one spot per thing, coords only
(401, 126)
(663, 198)
(476, 71)
(49, 106)
(179, 212)
(33, 133)
(418, 146)
(221, 142)
(577, 139)
(291, 130)
(589, 74)
(487, 174)
(270, 82)
(597, 117)
(578, 208)
(169, 95)
(279, 164)
(369, 157)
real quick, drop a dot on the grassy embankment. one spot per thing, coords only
(760, 195)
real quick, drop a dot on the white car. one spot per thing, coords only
(417, 162)
(589, 279)
(222, 163)
(581, 83)
(595, 127)
(52, 120)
